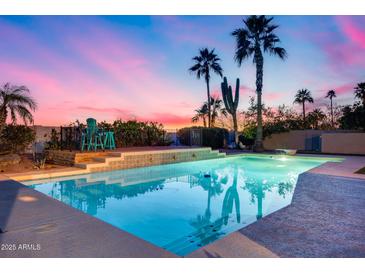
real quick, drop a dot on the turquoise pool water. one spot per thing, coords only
(184, 206)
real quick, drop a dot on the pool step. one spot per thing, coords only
(126, 160)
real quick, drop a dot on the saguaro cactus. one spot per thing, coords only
(230, 104)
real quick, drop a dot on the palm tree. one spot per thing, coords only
(360, 92)
(201, 113)
(302, 96)
(217, 109)
(331, 94)
(257, 37)
(206, 62)
(16, 101)
(315, 117)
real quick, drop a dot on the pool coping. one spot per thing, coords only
(233, 245)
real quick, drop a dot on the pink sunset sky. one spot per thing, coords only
(136, 67)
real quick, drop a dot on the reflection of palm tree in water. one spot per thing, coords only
(202, 223)
(207, 230)
(257, 188)
(231, 197)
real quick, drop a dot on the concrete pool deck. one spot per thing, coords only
(36, 225)
(326, 219)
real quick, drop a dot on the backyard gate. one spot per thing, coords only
(70, 138)
(313, 143)
(196, 137)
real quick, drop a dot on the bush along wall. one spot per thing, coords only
(134, 133)
(16, 138)
(207, 137)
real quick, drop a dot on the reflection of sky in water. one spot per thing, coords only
(176, 206)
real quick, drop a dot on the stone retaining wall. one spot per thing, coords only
(70, 158)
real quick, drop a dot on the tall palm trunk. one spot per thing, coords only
(235, 127)
(259, 59)
(209, 104)
(204, 122)
(260, 195)
(332, 115)
(3, 116)
(207, 211)
(303, 110)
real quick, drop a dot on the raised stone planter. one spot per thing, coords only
(70, 158)
(10, 159)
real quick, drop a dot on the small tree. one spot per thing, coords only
(303, 96)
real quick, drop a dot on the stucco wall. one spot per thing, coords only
(296, 139)
(346, 143)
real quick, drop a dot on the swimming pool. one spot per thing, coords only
(184, 206)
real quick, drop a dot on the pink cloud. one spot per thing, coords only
(113, 73)
(354, 32)
(245, 90)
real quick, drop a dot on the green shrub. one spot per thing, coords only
(16, 138)
(134, 133)
(353, 117)
(211, 137)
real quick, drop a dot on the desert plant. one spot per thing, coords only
(256, 38)
(39, 160)
(206, 62)
(16, 101)
(230, 103)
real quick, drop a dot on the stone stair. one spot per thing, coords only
(126, 160)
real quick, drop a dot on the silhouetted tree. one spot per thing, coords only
(331, 94)
(16, 101)
(201, 114)
(206, 62)
(360, 92)
(302, 96)
(315, 118)
(256, 38)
